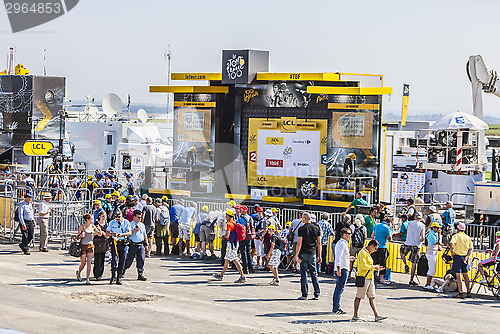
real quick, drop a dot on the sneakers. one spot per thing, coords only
(428, 288)
(274, 282)
(315, 298)
(439, 290)
(242, 279)
(339, 312)
(260, 267)
(357, 319)
(413, 283)
(141, 278)
(380, 318)
(218, 276)
(302, 298)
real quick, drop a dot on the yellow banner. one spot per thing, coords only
(194, 104)
(37, 148)
(274, 141)
(357, 106)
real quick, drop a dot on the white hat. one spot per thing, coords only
(432, 208)
(313, 218)
(268, 212)
(418, 215)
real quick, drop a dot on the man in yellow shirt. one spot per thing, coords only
(461, 250)
(366, 269)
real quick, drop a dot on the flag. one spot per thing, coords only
(406, 93)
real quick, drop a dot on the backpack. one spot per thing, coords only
(358, 237)
(238, 234)
(250, 229)
(16, 215)
(280, 244)
(422, 266)
(165, 215)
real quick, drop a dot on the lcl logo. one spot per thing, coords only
(26, 14)
(261, 180)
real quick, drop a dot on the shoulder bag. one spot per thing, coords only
(360, 280)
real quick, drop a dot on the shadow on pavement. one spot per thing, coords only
(313, 322)
(297, 314)
(51, 282)
(253, 300)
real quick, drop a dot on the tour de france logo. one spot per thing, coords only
(287, 152)
(26, 14)
(235, 66)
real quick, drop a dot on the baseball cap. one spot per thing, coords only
(271, 227)
(418, 215)
(238, 206)
(288, 224)
(232, 203)
(127, 175)
(435, 224)
(97, 201)
(99, 176)
(135, 197)
(244, 208)
(432, 208)
(461, 227)
(204, 208)
(89, 177)
(230, 212)
(497, 234)
(107, 196)
(259, 209)
(115, 193)
(28, 194)
(313, 218)
(121, 198)
(275, 210)
(164, 198)
(268, 212)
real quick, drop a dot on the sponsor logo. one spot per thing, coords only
(323, 159)
(302, 141)
(288, 124)
(274, 140)
(324, 141)
(249, 93)
(253, 139)
(274, 163)
(287, 152)
(322, 97)
(252, 156)
(261, 180)
(235, 66)
(301, 164)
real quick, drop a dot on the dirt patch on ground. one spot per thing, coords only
(113, 297)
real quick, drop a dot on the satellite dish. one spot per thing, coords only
(112, 105)
(142, 115)
(93, 112)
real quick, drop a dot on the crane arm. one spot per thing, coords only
(482, 79)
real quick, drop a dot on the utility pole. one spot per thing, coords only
(168, 57)
(44, 62)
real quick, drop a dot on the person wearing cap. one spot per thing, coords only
(90, 184)
(149, 217)
(260, 225)
(245, 245)
(113, 184)
(207, 233)
(200, 218)
(433, 217)
(97, 209)
(274, 255)
(107, 205)
(231, 249)
(116, 228)
(137, 204)
(448, 216)
(43, 221)
(461, 250)
(415, 235)
(266, 237)
(433, 247)
(144, 197)
(254, 214)
(283, 235)
(162, 226)
(492, 261)
(130, 184)
(138, 239)
(26, 221)
(221, 223)
(276, 213)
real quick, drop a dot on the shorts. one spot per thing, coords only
(185, 232)
(275, 259)
(413, 250)
(197, 238)
(174, 230)
(447, 233)
(367, 290)
(150, 230)
(231, 252)
(294, 249)
(87, 248)
(432, 261)
(459, 266)
(354, 251)
(207, 234)
(380, 256)
(259, 247)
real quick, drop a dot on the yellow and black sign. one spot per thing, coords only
(194, 104)
(288, 124)
(406, 94)
(274, 140)
(37, 148)
(355, 106)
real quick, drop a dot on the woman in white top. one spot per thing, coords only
(86, 233)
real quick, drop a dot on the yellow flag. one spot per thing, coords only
(406, 94)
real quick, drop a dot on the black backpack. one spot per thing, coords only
(422, 266)
(16, 215)
(280, 244)
(358, 237)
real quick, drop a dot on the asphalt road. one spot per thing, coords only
(40, 294)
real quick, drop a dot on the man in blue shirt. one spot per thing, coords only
(137, 236)
(116, 229)
(26, 221)
(175, 215)
(448, 216)
(403, 230)
(381, 233)
(130, 185)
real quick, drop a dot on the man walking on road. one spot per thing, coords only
(461, 250)
(414, 238)
(342, 266)
(366, 269)
(43, 221)
(308, 255)
(26, 221)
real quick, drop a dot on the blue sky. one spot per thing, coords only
(117, 46)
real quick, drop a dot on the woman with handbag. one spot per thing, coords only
(100, 245)
(86, 232)
(365, 282)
